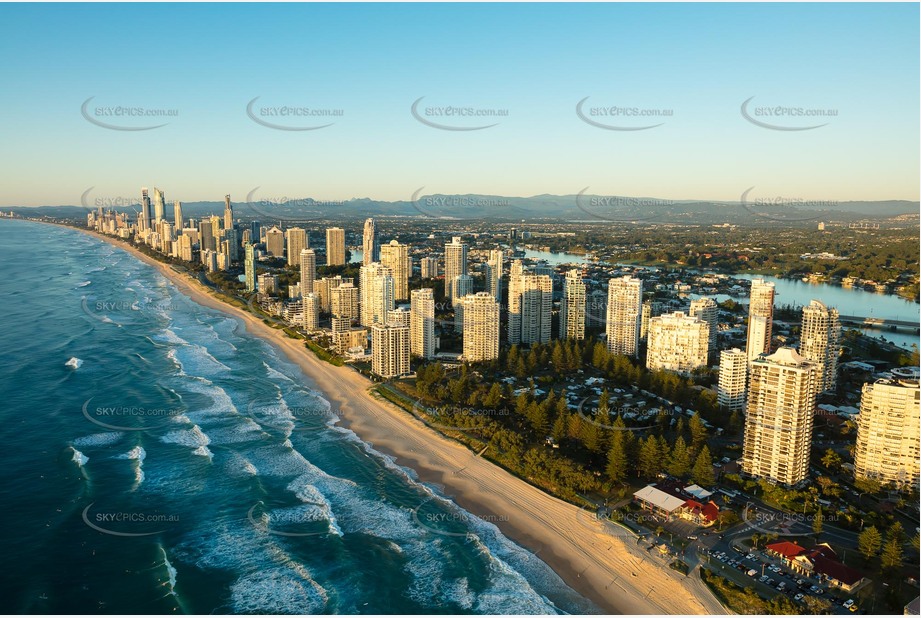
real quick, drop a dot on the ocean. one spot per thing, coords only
(159, 459)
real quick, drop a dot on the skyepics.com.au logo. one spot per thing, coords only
(102, 309)
(128, 417)
(621, 117)
(290, 210)
(125, 117)
(620, 523)
(283, 417)
(456, 117)
(786, 524)
(640, 414)
(786, 117)
(127, 523)
(461, 207)
(455, 418)
(784, 208)
(118, 203)
(621, 208)
(311, 518)
(446, 520)
(292, 117)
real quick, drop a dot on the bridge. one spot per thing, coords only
(882, 323)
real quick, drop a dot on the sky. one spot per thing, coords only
(67, 67)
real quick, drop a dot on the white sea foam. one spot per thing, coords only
(278, 590)
(99, 439)
(309, 494)
(193, 437)
(83, 285)
(204, 451)
(74, 363)
(171, 573)
(79, 457)
(137, 454)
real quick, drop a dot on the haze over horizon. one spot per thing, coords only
(709, 78)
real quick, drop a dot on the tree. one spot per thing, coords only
(617, 457)
(817, 522)
(702, 472)
(494, 397)
(559, 428)
(891, 558)
(650, 458)
(679, 463)
(832, 460)
(869, 542)
(698, 431)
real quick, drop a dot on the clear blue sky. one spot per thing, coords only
(535, 60)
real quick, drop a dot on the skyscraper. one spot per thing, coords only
(707, 310)
(249, 268)
(536, 304)
(494, 274)
(649, 310)
(178, 223)
(396, 257)
(296, 239)
(778, 424)
(159, 205)
(625, 297)
(371, 247)
(308, 261)
(572, 307)
(324, 287)
(343, 301)
(481, 327)
(144, 217)
(206, 236)
(390, 349)
(888, 446)
(676, 342)
(463, 285)
(514, 302)
(730, 392)
(335, 246)
(422, 323)
(455, 265)
(311, 309)
(275, 242)
(760, 318)
(228, 213)
(820, 338)
(429, 267)
(376, 286)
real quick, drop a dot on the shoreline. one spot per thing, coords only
(607, 570)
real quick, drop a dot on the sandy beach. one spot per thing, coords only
(611, 571)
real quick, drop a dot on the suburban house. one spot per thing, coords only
(821, 561)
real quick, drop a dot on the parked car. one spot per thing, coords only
(752, 572)
(798, 597)
(847, 604)
(763, 578)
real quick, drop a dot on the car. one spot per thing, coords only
(813, 589)
(798, 597)
(752, 572)
(763, 578)
(770, 582)
(750, 556)
(781, 586)
(693, 537)
(853, 608)
(847, 604)
(800, 582)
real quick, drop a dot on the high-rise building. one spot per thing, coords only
(296, 239)
(228, 213)
(730, 391)
(494, 273)
(514, 302)
(596, 309)
(324, 287)
(481, 327)
(185, 247)
(779, 412)
(676, 342)
(399, 315)
(422, 323)
(462, 286)
(396, 257)
(159, 205)
(760, 318)
(343, 301)
(649, 310)
(429, 267)
(888, 446)
(275, 242)
(625, 296)
(455, 266)
(268, 283)
(177, 216)
(308, 261)
(255, 229)
(376, 286)
(536, 303)
(206, 236)
(572, 307)
(390, 349)
(144, 217)
(820, 338)
(335, 246)
(311, 309)
(707, 310)
(249, 268)
(370, 244)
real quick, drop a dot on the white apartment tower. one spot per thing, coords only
(429, 267)
(888, 446)
(390, 349)
(532, 295)
(370, 244)
(730, 391)
(778, 424)
(494, 273)
(335, 246)
(455, 266)
(311, 308)
(820, 338)
(760, 318)
(343, 301)
(625, 296)
(308, 261)
(422, 323)
(572, 307)
(274, 242)
(481, 327)
(677, 342)
(297, 241)
(376, 286)
(707, 310)
(396, 257)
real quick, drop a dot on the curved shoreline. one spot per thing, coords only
(608, 570)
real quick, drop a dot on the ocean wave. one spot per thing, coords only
(74, 363)
(204, 451)
(82, 285)
(79, 457)
(193, 437)
(138, 455)
(277, 591)
(99, 439)
(307, 493)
